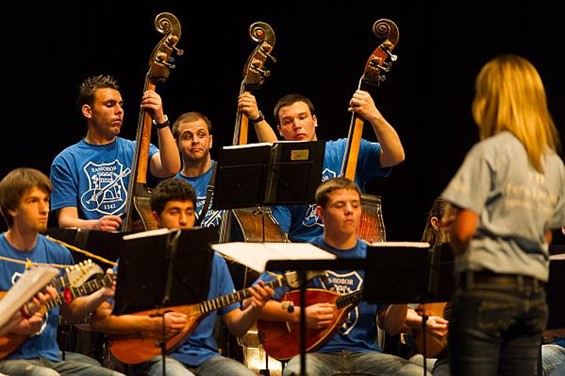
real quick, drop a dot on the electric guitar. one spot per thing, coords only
(281, 340)
(141, 346)
(13, 341)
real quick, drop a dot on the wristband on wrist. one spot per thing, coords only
(162, 125)
(258, 119)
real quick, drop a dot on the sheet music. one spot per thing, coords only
(401, 244)
(29, 284)
(256, 255)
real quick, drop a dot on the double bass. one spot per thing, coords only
(256, 224)
(138, 211)
(372, 227)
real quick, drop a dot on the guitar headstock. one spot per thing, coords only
(77, 274)
(382, 57)
(255, 70)
(292, 278)
(161, 61)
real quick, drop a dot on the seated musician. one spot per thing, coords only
(30, 347)
(353, 348)
(173, 206)
(436, 324)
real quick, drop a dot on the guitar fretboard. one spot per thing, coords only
(85, 289)
(226, 300)
(348, 299)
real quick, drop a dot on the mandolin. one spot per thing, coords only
(371, 227)
(12, 341)
(281, 340)
(254, 224)
(140, 347)
(138, 211)
(429, 345)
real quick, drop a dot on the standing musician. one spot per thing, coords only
(296, 120)
(353, 349)
(90, 178)
(173, 205)
(193, 133)
(24, 202)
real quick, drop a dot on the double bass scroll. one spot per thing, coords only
(255, 72)
(138, 211)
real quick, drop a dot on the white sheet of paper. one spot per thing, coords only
(256, 255)
(401, 244)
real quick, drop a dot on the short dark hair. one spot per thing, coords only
(189, 117)
(16, 183)
(88, 88)
(290, 99)
(171, 189)
(328, 186)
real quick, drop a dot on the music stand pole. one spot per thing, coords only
(172, 254)
(302, 279)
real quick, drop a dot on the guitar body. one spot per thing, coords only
(433, 345)
(142, 346)
(281, 340)
(10, 343)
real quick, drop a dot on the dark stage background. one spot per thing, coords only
(48, 49)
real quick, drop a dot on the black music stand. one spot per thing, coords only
(266, 174)
(164, 268)
(101, 243)
(409, 273)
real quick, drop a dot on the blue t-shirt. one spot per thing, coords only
(44, 343)
(301, 222)
(201, 344)
(200, 183)
(94, 178)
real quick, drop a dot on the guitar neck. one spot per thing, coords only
(226, 300)
(75, 292)
(349, 299)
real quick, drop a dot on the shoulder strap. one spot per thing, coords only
(209, 192)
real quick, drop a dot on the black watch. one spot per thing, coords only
(162, 125)
(259, 118)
